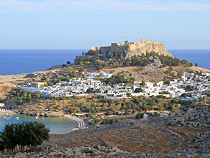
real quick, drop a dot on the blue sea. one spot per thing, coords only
(28, 61)
(57, 125)
(202, 56)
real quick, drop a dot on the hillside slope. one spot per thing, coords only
(129, 138)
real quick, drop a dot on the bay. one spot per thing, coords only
(57, 125)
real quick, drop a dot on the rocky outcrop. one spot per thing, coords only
(124, 124)
(192, 118)
(54, 151)
(155, 62)
(203, 141)
(147, 46)
(79, 58)
(96, 152)
(55, 67)
(129, 49)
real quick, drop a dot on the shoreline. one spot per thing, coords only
(79, 123)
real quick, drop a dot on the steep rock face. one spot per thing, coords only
(129, 49)
(79, 58)
(155, 62)
(147, 46)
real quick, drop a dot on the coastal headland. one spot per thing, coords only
(135, 99)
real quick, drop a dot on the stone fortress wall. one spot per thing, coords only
(134, 48)
(130, 49)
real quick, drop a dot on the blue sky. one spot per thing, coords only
(78, 24)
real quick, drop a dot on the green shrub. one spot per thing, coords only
(23, 134)
(139, 115)
(90, 90)
(1, 100)
(138, 90)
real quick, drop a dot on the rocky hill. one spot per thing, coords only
(147, 46)
(129, 49)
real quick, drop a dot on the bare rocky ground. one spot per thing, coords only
(162, 137)
(20, 78)
(151, 73)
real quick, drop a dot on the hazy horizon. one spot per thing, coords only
(86, 49)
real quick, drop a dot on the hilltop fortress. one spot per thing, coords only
(129, 49)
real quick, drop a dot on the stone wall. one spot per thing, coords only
(79, 58)
(131, 49)
(104, 50)
(116, 47)
(135, 46)
(147, 46)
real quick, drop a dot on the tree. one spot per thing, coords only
(173, 75)
(145, 107)
(196, 64)
(20, 101)
(68, 62)
(166, 82)
(23, 134)
(138, 90)
(81, 63)
(186, 63)
(179, 74)
(160, 107)
(139, 115)
(8, 137)
(189, 88)
(1, 100)
(81, 69)
(127, 62)
(142, 83)
(89, 90)
(28, 97)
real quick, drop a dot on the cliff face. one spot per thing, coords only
(147, 46)
(129, 49)
(79, 58)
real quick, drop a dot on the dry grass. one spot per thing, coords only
(153, 136)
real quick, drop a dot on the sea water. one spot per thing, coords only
(28, 61)
(201, 57)
(57, 125)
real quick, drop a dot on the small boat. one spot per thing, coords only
(17, 118)
(37, 117)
